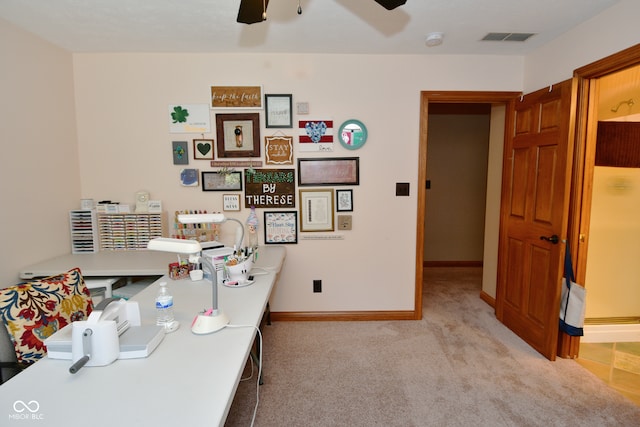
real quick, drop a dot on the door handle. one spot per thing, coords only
(553, 239)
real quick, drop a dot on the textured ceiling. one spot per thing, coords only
(325, 26)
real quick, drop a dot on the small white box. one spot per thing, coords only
(155, 206)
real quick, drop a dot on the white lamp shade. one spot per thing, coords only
(179, 246)
(201, 218)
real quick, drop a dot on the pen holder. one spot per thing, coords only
(239, 272)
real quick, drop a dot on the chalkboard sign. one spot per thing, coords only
(270, 188)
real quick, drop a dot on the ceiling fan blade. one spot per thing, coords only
(250, 11)
(390, 4)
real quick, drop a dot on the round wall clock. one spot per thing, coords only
(352, 134)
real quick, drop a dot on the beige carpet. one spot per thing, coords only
(458, 366)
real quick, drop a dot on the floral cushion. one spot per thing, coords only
(33, 311)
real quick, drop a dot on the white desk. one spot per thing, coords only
(188, 380)
(104, 263)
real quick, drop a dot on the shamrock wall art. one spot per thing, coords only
(189, 118)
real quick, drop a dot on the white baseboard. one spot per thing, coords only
(611, 333)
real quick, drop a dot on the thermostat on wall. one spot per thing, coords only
(302, 107)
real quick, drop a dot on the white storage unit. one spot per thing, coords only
(130, 231)
(84, 231)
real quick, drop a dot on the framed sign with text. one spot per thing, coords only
(280, 227)
(278, 111)
(329, 171)
(236, 97)
(278, 150)
(230, 202)
(270, 188)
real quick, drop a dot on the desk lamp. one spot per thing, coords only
(213, 319)
(213, 219)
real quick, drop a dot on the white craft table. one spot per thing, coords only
(188, 380)
(104, 264)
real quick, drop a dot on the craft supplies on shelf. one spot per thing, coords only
(201, 232)
(130, 231)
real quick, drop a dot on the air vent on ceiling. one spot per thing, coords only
(507, 37)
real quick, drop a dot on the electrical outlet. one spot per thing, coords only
(317, 286)
(344, 222)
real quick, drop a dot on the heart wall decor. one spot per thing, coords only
(203, 149)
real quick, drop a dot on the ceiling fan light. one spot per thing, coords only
(434, 39)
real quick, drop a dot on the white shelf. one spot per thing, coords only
(84, 232)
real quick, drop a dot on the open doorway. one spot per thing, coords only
(613, 300)
(497, 102)
(456, 186)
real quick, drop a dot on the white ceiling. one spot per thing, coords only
(325, 26)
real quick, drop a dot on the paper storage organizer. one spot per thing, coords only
(130, 231)
(84, 231)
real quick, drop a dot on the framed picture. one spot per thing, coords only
(329, 171)
(222, 181)
(236, 97)
(203, 149)
(278, 111)
(190, 177)
(180, 152)
(189, 118)
(344, 200)
(316, 210)
(230, 202)
(280, 227)
(315, 135)
(278, 150)
(238, 135)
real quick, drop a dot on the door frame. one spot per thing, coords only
(584, 160)
(586, 142)
(441, 97)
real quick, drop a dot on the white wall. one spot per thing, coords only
(125, 146)
(494, 195)
(611, 31)
(39, 177)
(455, 204)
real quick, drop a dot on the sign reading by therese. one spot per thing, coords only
(270, 188)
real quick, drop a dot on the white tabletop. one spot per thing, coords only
(104, 263)
(188, 380)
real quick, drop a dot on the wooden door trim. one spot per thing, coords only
(582, 181)
(587, 79)
(464, 97)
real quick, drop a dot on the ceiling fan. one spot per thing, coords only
(253, 11)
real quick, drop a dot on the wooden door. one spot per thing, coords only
(534, 214)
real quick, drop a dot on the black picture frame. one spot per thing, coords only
(280, 227)
(329, 171)
(344, 200)
(278, 111)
